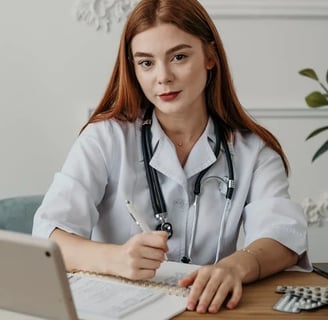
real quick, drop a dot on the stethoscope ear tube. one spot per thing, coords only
(231, 181)
(156, 195)
(146, 156)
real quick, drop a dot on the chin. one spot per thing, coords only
(170, 109)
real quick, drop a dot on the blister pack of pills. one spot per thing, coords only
(298, 298)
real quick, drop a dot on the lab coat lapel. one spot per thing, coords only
(202, 154)
(200, 157)
(165, 159)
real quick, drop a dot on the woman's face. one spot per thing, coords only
(171, 68)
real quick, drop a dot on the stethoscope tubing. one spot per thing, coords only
(156, 195)
(188, 257)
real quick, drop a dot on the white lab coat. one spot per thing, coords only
(105, 167)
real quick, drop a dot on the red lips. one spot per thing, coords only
(169, 96)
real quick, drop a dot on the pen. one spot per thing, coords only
(138, 219)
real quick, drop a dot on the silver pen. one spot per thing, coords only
(138, 219)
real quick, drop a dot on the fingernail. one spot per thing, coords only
(201, 308)
(190, 306)
(213, 308)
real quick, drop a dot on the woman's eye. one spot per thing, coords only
(145, 64)
(179, 57)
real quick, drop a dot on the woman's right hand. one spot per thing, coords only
(142, 255)
(137, 259)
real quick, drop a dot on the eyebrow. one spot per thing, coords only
(176, 48)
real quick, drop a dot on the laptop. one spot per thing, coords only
(33, 280)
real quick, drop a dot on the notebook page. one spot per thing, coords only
(170, 272)
(168, 276)
(104, 299)
(170, 301)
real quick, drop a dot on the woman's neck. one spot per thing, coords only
(183, 130)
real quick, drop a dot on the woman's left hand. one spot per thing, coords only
(211, 285)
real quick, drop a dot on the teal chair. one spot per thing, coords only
(16, 214)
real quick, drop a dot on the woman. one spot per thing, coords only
(216, 168)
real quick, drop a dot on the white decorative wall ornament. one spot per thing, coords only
(101, 13)
(316, 211)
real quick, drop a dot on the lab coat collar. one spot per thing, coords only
(201, 156)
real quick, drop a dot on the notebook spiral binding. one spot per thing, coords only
(169, 287)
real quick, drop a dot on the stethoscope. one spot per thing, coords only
(156, 195)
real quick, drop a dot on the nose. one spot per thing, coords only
(164, 74)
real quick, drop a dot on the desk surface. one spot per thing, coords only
(259, 298)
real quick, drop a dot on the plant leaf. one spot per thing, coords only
(321, 150)
(310, 73)
(316, 132)
(316, 99)
(327, 76)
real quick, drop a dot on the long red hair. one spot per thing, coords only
(124, 99)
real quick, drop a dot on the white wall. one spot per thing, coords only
(53, 69)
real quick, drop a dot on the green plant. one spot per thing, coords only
(317, 99)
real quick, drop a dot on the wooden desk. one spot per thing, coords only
(259, 298)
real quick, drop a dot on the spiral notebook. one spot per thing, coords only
(157, 298)
(35, 285)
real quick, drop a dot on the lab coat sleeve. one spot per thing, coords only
(270, 213)
(71, 201)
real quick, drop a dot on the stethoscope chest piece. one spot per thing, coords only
(164, 225)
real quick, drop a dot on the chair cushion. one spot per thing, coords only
(16, 214)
